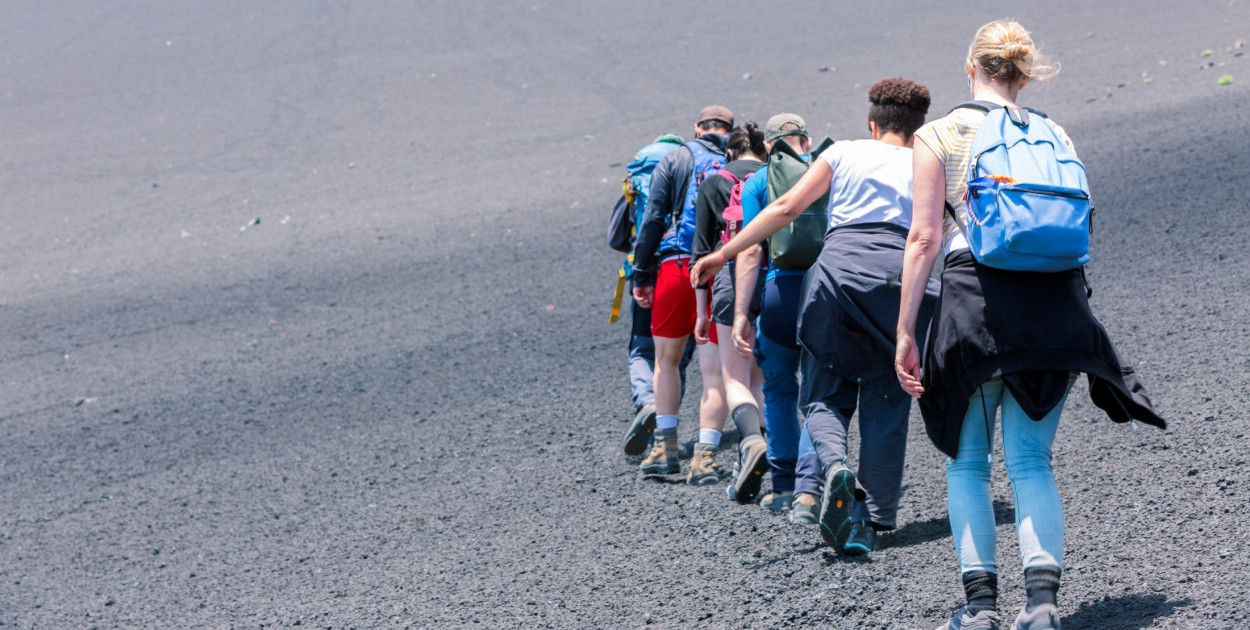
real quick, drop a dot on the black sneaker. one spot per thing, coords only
(835, 511)
(861, 541)
(748, 473)
(639, 433)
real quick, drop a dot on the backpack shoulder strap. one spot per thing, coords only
(984, 106)
(959, 224)
(1017, 114)
(822, 147)
(733, 179)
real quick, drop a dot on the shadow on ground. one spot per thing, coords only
(1127, 612)
(921, 532)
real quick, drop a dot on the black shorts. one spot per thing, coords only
(723, 295)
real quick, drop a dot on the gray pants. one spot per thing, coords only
(828, 402)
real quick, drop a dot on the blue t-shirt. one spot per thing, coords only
(754, 199)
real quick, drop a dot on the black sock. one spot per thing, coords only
(1041, 585)
(981, 588)
(748, 414)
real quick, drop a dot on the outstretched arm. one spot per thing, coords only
(780, 213)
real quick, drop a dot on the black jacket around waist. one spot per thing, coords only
(1031, 329)
(850, 304)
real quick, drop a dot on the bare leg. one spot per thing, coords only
(712, 409)
(738, 371)
(667, 383)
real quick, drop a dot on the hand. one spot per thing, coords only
(907, 365)
(744, 336)
(703, 271)
(701, 327)
(642, 295)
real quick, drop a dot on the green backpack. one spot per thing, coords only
(797, 245)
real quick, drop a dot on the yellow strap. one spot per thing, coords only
(616, 299)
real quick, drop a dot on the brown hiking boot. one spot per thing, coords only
(662, 460)
(703, 468)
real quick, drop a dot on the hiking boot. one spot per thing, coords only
(805, 509)
(984, 620)
(749, 471)
(662, 460)
(862, 539)
(779, 502)
(639, 432)
(835, 512)
(703, 468)
(1044, 617)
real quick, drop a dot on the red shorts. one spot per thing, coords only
(673, 302)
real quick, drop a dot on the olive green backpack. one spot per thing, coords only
(797, 245)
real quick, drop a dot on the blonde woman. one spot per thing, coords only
(999, 340)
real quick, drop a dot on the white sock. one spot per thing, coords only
(709, 436)
(666, 422)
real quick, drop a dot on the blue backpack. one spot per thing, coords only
(622, 225)
(680, 234)
(1028, 199)
(627, 212)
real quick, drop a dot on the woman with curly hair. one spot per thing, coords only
(849, 312)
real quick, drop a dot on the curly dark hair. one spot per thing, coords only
(898, 105)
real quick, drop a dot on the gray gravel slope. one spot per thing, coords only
(394, 402)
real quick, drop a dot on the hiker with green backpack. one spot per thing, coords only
(791, 456)
(849, 308)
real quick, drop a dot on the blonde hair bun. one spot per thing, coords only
(1005, 50)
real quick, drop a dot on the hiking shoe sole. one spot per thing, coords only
(751, 467)
(639, 433)
(705, 479)
(835, 511)
(659, 470)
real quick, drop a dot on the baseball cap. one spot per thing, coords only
(783, 125)
(716, 112)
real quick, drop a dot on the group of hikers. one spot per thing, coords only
(801, 277)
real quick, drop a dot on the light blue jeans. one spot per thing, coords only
(1027, 453)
